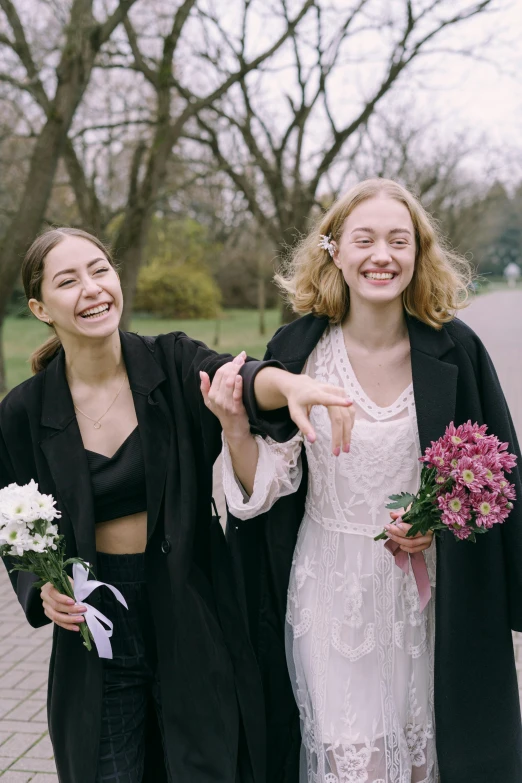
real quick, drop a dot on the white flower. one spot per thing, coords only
(46, 508)
(39, 543)
(16, 536)
(18, 507)
(26, 504)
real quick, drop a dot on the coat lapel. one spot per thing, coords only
(63, 448)
(62, 443)
(434, 380)
(154, 419)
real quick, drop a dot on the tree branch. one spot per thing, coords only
(106, 29)
(139, 60)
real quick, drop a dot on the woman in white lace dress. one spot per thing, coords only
(359, 650)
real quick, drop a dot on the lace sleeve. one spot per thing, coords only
(278, 473)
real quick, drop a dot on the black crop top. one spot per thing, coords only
(118, 482)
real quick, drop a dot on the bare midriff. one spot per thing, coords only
(123, 536)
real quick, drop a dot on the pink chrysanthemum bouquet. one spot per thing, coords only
(463, 485)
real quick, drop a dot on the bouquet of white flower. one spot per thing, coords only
(32, 543)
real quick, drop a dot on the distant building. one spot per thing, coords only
(512, 273)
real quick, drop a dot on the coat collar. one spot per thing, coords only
(294, 343)
(144, 373)
(434, 380)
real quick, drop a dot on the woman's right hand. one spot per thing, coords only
(302, 393)
(61, 609)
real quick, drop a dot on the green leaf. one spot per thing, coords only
(401, 501)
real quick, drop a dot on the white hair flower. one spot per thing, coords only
(327, 244)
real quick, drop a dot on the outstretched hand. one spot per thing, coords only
(224, 397)
(304, 392)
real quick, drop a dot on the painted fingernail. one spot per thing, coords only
(310, 437)
(337, 451)
(70, 601)
(346, 448)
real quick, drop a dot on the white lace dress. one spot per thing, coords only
(359, 651)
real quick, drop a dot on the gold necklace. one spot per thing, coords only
(97, 422)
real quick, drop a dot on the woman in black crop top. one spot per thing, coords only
(113, 425)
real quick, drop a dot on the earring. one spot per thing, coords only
(50, 322)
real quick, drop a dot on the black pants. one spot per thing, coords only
(130, 678)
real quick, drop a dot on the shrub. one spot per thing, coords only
(180, 291)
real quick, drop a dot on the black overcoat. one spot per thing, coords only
(212, 697)
(479, 586)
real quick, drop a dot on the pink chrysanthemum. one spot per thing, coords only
(486, 508)
(439, 456)
(505, 508)
(507, 460)
(455, 507)
(465, 433)
(507, 490)
(462, 532)
(470, 474)
(478, 450)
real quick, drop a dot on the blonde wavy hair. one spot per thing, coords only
(440, 285)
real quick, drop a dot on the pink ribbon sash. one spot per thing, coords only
(420, 571)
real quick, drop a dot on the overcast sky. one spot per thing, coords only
(480, 95)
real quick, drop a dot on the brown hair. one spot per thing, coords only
(440, 284)
(33, 268)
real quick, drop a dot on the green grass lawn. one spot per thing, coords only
(238, 330)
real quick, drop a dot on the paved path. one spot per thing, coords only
(497, 319)
(25, 750)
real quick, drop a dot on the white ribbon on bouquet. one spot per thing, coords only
(83, 587)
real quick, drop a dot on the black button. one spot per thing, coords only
(166, 546)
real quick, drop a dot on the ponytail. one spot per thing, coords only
(45, 354)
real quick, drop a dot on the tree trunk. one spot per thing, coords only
(261, 296)
(132, 237)
(28, 219)
(73, 74)
(3, 378)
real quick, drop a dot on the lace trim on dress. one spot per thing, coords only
(354, 387)
(342, 525)
(278, 473)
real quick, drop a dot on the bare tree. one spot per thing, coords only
(175, 104)
(280, 159)
(82, 37)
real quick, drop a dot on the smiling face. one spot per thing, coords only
(376, 252)
(81, 292)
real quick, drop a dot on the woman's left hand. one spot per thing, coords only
(397, 532)
(224, 397)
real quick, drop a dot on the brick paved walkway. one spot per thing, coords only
(25, 750)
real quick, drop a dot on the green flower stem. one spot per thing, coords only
(66, 588)
(50, 568)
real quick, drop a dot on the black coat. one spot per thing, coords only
(479, 586)
(211, 691)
